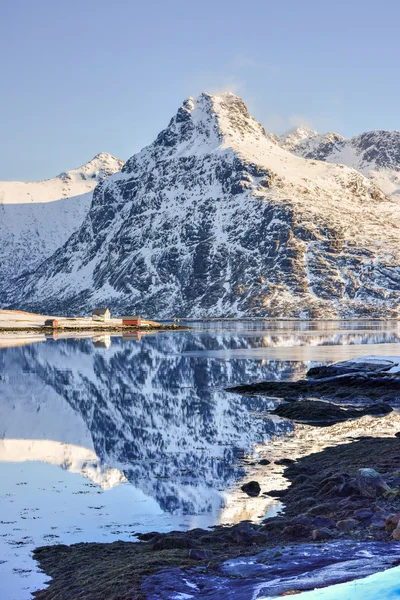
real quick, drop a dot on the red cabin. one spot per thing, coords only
(133, 321)
(51, 323)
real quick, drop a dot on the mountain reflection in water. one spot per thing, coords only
(149, 415)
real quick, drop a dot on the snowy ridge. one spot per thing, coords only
(36, 218)
(375, 154)
(214, 218)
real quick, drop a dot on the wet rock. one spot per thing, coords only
(304, 520)
(264, 461)
(245, 534)
(347, 524)
(317, 412)
(296, 531)
(198, 554)
(322, 509)
(363, 514)
(210, 540)
(285, 461)
(252, 488)
(323, 522)
(275, 524)
(171, 542)
(276, 493)
(300, 479)
(378, 523)
(305, 503)
(392, 521)
(321, 534)
(370, 483)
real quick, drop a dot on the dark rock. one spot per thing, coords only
(316, 412)
(303, 520)
(264, 461)
(252, 488)
(323, 522)
(397, 434)
(347, 524)
(363, 514)
(305, 503)
(198, 554)
(296, 531)
(392, 521)
(321, 534)
(322, 509)
(370, 483)
(276, 493)
(285, 461)
(171, 542)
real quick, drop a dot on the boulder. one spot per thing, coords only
(297, 530)
(392, 521)
(264, 461)
(347, 524)
(321, 534)
(370, 483)
(285, 461)
(323, 522)
(363, 514)
(252, 488)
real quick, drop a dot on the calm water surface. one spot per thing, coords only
(104, 437)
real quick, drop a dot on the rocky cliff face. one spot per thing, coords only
(38, 217)
(376, 154)
(214, 218)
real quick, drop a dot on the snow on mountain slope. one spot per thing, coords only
(214, 218)
(36, 218)
(375, 154)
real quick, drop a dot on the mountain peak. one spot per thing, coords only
(201, 125)
(98, 168)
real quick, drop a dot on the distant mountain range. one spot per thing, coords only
(375, 154)
(217, 218)
(38, 217)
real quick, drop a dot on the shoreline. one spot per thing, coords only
(326, 508)
(91, 328)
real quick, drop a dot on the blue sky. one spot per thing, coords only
(82, 76)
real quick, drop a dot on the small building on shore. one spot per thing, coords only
(133, 320)
(51, 323)
(101, 314)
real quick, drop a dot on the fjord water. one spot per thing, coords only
(104, 437)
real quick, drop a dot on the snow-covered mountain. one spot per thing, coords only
(376, 154)
(38, 217)
(215, 218)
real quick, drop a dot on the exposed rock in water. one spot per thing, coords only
(252, 488)
(320, 413)
(372, 378)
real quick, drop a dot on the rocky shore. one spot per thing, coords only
(340, 520)
(358, 380)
